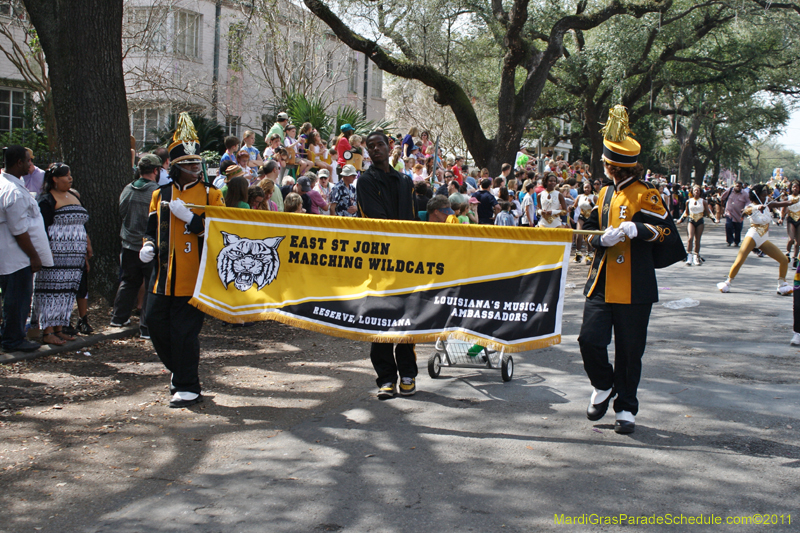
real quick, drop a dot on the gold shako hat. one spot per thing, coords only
(185, 147)
(619, 148)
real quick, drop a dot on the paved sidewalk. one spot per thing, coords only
(717, 434)
(81, 341)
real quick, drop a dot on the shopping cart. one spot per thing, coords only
(452, 352)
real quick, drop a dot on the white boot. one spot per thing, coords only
(689, 260)
(795, 339)
(725, 286)
(784, 289)
(696, 260)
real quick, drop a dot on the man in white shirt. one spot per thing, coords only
(163, 173)
(34, 178)
(25, 249)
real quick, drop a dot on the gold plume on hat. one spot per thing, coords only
(616, 129)
(185, 130)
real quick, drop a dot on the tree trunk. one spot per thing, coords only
(82, 41)
(687, 139)
(50, 126)
(700, 168)
(715, 173)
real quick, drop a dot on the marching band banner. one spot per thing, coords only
(385, 280)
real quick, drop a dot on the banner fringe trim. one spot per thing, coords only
(398, 339)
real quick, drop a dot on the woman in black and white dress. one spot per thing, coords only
(55, 288)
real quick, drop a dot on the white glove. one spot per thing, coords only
(629, 229)
(611, 237)
(147, 253)
(181, 212)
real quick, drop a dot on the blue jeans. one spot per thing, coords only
(17, 290)
(733, 231)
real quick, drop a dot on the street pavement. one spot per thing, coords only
(716, 436)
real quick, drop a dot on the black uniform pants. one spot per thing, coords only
(388, 365)
(629, 322)
(132, 273)
(175, 329)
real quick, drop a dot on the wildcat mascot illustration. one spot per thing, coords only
(246, 262)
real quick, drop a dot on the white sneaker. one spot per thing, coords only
(725, 286)
(784, 289)
(689, 260)
(696, 261)
(795, 339)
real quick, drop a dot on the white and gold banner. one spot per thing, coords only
(385, 280)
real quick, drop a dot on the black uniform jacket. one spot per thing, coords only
(385, 195)
(625, 272)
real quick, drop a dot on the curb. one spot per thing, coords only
(79, 342)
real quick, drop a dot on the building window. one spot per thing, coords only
(329, 66)
(352, 76)
(236, 33)
(232, 126)
(265, 125)
(297, 62)
(12, 109)
(187, 34)
(377, 82)
(144, 29)
(269, 55)
(148, 124)
(12, 8)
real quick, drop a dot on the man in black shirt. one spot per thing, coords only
(488, 206)
(382, 192)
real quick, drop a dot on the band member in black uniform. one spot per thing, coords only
(382, 192)
(639, 236)
(174, 239)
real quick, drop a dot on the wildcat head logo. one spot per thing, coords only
(246, 262)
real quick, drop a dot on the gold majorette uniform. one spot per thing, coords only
(626, 271)
(178, 245)
(794, 211)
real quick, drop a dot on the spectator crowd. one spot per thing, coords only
(46, 265)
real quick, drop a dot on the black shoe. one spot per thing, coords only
(597, 411)
(622, 427)
(24, 346)
(69, 330)
(730, 244)
(177, 404)
(83, 327)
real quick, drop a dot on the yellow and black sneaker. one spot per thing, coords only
(407, 387)
(386, 391)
